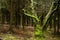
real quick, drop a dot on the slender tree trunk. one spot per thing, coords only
(50, 22)
(58, 24)
(21, 21)
(54, 23)
(1, 24)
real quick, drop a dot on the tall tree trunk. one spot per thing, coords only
(58, 23)
(54, 23)
(50, 22)
(21, 21)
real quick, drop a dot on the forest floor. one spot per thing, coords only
(28, 34)
(16, 37)
(50, 36)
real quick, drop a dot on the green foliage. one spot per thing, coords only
(38, 32)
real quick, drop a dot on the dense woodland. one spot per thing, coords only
(30, 18)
